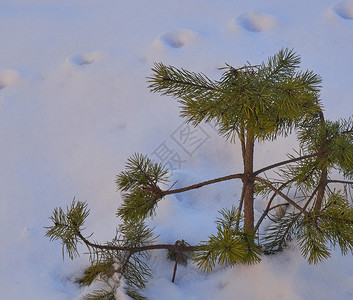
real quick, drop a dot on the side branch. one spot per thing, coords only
(268, 207)
(340, 181)
(201, 184)
(284, 163)
(178, 248)
(278, 192)
(186, 83)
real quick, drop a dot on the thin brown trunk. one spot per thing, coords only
(321, 191)
(323, 178)
(248, 184)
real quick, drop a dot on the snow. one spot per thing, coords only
(74, 106)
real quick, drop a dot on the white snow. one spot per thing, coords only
(74, 106)
(256, 22)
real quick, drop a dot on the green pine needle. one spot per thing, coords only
(101, 294)
(67, 225)
(140, 186)
(229, 247)
(266, 100)
(94, 270)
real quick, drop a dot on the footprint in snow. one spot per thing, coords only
(344, 9)
(7, 77)
(178, 38)
(171, 40)
(255, 22)
(85, 59)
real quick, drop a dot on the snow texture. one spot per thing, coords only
(74, 106)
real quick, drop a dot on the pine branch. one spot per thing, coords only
(134, 294)
(101, 294)
(174, 247)
(180, 83)
(285, 197)
(313, 243)
(295, 219)
(96, 269)
(141, 178)
(128, 251)
(233, 176)
(332, 140)
(240, 207)
(231, 246)
(139, 182)
(201, 184)
(292, 160)
(286, 228)
(269, 203)
(66, 225)
(283, 63)
(340, 181)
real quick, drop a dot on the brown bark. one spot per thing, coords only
(248, 184)
(323, 178)
(175, 247)
(235, 176)
(321, 191)
(201, 184)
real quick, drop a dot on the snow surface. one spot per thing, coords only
(74, 106)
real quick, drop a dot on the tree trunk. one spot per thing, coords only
(321, 191)
(248, 184)
(323, 178)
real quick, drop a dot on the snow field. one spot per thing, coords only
(74, 106)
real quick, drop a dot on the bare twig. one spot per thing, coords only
(175, 247)
(340, 181)
(278, 192)
(201, 184)
(284, 163)
(268, 207)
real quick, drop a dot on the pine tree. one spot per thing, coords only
(251, 103)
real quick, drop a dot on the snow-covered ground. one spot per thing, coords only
(74, 106)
